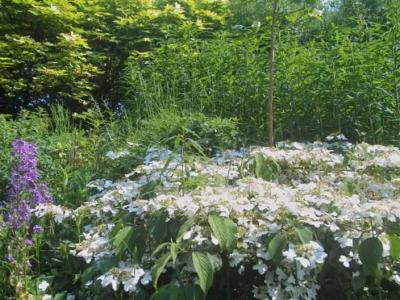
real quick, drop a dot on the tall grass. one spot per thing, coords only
(336, 80)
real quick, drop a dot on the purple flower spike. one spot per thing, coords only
(10, 258)
(25, 191)
(37, 229)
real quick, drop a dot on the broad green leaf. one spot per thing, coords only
(394, 246)
(174, 251)
(358, 282)
(59, 296)
(123, 240)
(262, 169)
(107, 263)
(370, 252)
(157, 227)
(122, 237)
(276, 247)
(148, 190)
(159, 267)
(305, 235)
(216, 261)
(197, 147)
(219, 180)
(88, 274)
(204, 269)
(130, 239)
(348, 188)
(159, 248)
(225, 230)
(184, 228)
(167, 292)
(191, 292)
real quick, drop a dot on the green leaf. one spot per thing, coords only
(204, 269)
(88, 274)
(394, 246)
(265, 168)
(348, 187)
(261, 167)
(174, 251)
(173, 292)
(197, 147)
(122, 237)
(305, 235)
(59, 296)
(191, 292)
(276, 247)
(225, 230)
(159, 267)
(130, 239)
(358, 282)
(157, 227)
(370, 252)
(216, 261)
(166, 292)
(219, 180)
(184, 228)
(107, 263)
(148, 190)
(159, 248)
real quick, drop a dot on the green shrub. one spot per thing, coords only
(211, 133)
(71, 148)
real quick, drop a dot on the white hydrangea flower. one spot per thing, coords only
(345, 261)
(290, 254)
(70, 297)
(260, 267)
(43, 286)
(109, 279)
(146, 279)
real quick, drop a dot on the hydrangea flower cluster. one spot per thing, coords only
(25, 190)
(321, 191)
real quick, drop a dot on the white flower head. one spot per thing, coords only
(260, 267)
(43, 286)
(108, 279)
(290, 254)
(70, 297)
(345, 261)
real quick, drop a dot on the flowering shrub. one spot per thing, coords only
(24, 193)
(297, 222)
(321, 224)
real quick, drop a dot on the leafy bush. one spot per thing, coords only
(211, 133)
(332, 229)
(71, 149)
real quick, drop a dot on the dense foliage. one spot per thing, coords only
(73, 52)
(301, 221)
(337, 61)
(126, 170)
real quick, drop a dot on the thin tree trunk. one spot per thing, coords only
(270, 120)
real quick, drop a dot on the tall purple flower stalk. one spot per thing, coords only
(25, 191)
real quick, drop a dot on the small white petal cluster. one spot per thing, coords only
(115, 155)
(57, 212)
(95, 244)
(43, 286)
(365, 155)
(127, 275)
